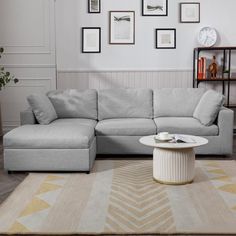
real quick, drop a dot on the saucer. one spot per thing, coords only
(170, 137)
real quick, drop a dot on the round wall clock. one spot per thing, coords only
(207, 37)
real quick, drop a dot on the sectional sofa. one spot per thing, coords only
(90, 122)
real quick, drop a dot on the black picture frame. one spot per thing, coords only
(157, 35)
(150, 14)
(182, 4)
(96, 50)
(112, 40)
(90, 10)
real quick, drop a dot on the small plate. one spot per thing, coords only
(170, 137)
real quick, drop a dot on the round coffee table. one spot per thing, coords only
(173, 163)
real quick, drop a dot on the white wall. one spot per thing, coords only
(27, 31)
(72, 15)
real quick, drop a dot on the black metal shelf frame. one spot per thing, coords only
(227, 54)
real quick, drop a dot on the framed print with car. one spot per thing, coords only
(165, 38)
(154, 7)
(190, 12)
(122, 27)
(91, 40)
(94, 6)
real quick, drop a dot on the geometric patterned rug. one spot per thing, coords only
(120, 197)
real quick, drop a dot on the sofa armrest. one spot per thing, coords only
(226, 127)
(27, 117)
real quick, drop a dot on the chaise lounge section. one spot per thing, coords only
(111, 122)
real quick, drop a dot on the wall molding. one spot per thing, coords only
(29, 65)
(45, 45)
(122, 70)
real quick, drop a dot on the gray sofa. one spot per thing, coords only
(109, 122)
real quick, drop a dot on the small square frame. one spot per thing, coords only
(90, 10)
(195, 11)
(159, 42)
(97, 34)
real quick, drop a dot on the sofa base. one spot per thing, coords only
(50, 159)
(122, 145)
(217, 145)
(130, 145)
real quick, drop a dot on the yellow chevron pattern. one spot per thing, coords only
(223, 183)
(137, 203)
(33, 215)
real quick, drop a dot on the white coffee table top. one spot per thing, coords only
(150, 141)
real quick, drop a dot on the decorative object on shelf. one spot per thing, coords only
(94, 6)
(190, 12)
(213, 68)
(207, 37)
(5, 78)
(91, 40)
(154, 7)
(122, 27)
(165, 38)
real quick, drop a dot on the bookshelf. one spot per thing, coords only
(224, 77)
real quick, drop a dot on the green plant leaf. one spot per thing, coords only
(5, 76)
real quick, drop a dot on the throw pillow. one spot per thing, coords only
(208, 107)
(42, 108)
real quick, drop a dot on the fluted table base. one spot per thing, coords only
(173, 166)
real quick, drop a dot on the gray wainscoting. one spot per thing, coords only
(124, 79)
(133, 79)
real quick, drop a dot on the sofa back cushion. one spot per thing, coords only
(74, 103)
(208, 107)
(42, 108)
(176, 102)
(125, 103)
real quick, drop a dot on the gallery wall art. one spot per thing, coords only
(122, 24)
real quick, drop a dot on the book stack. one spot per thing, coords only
(202, 68)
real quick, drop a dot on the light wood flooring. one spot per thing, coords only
(9, 182)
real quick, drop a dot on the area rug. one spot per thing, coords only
(120, 197)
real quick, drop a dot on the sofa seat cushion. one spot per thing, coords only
(185, 125)
(126, 127)
(60, 134)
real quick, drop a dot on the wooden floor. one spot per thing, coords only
(9, 182)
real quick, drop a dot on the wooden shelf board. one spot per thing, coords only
(218, 79)
(231, 106)
(214, 48)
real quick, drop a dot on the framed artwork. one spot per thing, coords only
(94, 6)
(190, 12)
(122, 27)
(91, 40)
(154, 7)
(165, 38)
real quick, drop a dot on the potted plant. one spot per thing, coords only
(5, 78)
